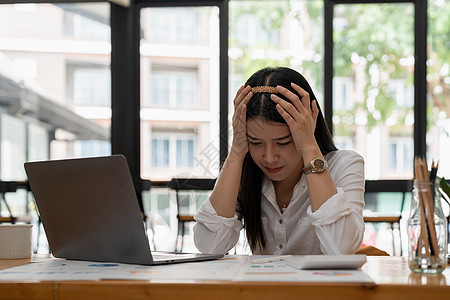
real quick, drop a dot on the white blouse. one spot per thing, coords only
(337, 227)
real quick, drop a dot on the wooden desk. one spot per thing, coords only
(393, 280)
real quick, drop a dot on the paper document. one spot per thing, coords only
(59, 269)
(229, 268)
(280, 271)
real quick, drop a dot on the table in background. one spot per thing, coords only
(393, 280)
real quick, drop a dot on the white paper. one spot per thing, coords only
(61, 270)
(230, 268)
(281, 272)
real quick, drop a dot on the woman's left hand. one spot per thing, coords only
(300, 115)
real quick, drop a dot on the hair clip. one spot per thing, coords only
(264, 89)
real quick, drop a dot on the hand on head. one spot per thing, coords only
(300, 114)
(240, 143)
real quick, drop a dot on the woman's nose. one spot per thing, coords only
(269, 155)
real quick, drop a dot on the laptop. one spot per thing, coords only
(89, 210)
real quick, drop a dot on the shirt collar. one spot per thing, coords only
(268, 190)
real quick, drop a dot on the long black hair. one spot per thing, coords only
(262, 106)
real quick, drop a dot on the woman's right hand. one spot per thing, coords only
(240, 142)
(223, 197)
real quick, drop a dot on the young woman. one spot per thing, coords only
(284, 181)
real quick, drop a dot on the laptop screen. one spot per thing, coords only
(89, 209)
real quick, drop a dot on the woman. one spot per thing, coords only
(284, 178)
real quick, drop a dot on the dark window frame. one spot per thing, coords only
(420, 67)
(125, 75)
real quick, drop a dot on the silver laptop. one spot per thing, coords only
(90, 211)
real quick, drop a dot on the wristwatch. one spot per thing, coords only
(316, 165)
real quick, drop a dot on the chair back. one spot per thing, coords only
(389, 186)
(391, 217)
(189, 190)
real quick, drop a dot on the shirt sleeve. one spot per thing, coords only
(339, 221)
(214, 234)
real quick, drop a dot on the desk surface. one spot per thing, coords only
(392, 277)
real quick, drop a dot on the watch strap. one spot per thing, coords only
(316, 165)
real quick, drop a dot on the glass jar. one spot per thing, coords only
(427, 229)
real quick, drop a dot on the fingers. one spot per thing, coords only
(240, 143)
(297, 104)
(285, 106)
(303, 94)
(243, 95)
(286, 116)
(315, 110)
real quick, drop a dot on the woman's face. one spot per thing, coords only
(273, 150)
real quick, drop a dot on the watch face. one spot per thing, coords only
(319, 164)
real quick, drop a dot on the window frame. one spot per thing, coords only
(125, 72)
(420, 67)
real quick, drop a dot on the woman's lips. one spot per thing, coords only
(273, 170)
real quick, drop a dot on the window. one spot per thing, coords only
(185, 153)
(251, 30)
(92, 86)
(343, 142)
(275, 33)
(400, 152)
(402, 94)
(160, 152)
(172, 25)
(172, 150)
(55, 60)
(38, 142)
(92, 148)
(85, 28)
(176, 89)
(342, 93)
(179, 56)
(438, 88)
(13, 148)
(372, 84)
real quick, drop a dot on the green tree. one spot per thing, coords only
(439, 55)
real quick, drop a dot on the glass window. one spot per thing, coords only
(160, 152)
(174, 88)
(342, 93)
(13, 148)
(38, 143)
(186, 87)
(172, 25)
(92, 148)
(173, 151)
(403, 95)
(185, 153)
(55, 66)
(179, 92)
(400, 152)
(160, 87)
(373, 85)
(438, 79)
(255, 30)
(84, 28)
(275, 33)
(92, 86)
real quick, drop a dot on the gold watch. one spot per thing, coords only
(316, 165)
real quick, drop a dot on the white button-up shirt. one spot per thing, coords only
(337, 227)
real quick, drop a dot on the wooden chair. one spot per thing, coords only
(188, 191)
(388, 186)
(12, 187)
(371, 251)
